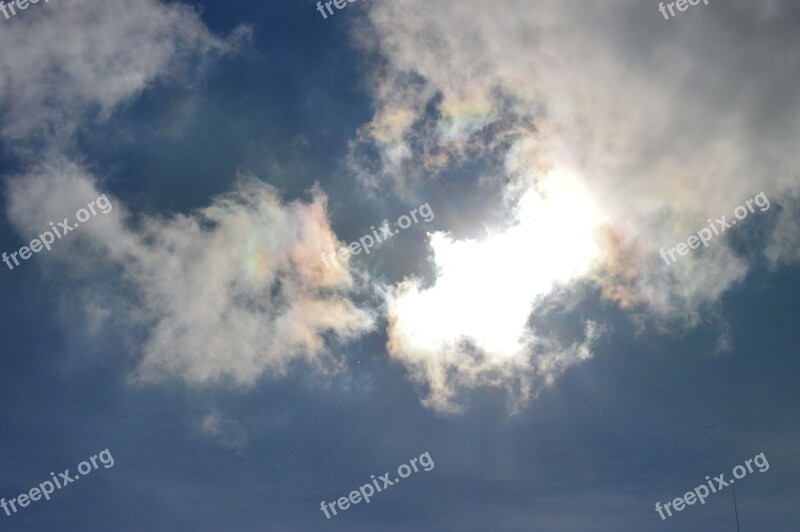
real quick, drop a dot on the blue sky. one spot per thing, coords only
(528, 335)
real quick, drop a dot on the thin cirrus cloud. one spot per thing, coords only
(662, 125)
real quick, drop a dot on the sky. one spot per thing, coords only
(538, 258)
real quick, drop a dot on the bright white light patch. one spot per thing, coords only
(486, 290)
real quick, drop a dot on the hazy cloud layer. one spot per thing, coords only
(612, 132)
(666, 124)
(62, 62)
(233, 291)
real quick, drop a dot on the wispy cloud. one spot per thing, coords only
(225, 432)
(600, 122)
(663, 125)
(227, 293)
(231, 292)
(66, 62)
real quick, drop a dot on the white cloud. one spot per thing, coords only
(225, 432)
(666, 124)
(232, 292)
(471, 326)
(63, 62)
(658, 125)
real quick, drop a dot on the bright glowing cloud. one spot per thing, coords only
(472, 322)
(662, 131)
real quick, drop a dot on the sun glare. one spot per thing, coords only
(485, 290)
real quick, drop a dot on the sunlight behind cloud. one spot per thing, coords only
(485, 290)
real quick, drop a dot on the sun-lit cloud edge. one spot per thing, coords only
(555, 85)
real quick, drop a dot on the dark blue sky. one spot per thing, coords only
(655, 409)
